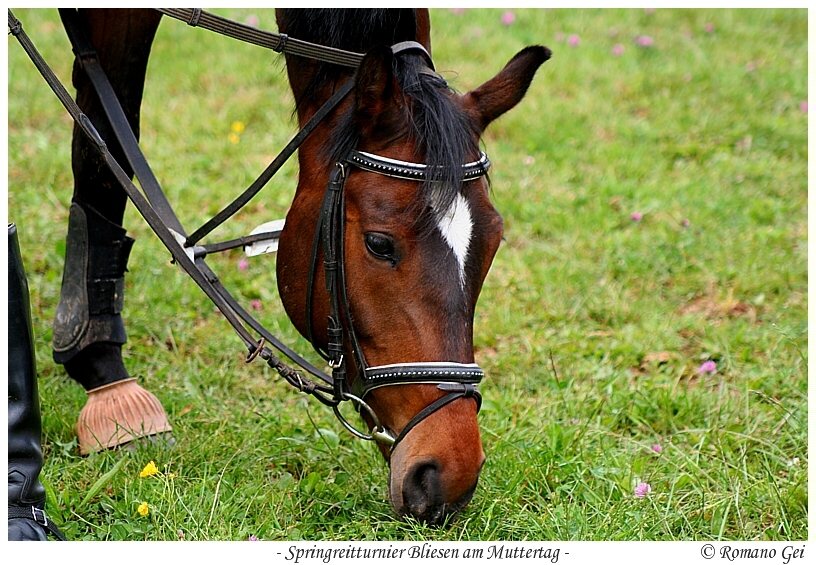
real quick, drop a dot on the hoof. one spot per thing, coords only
(117, 414)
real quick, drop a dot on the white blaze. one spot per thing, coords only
(456, 227)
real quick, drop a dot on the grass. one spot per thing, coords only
(591, 326)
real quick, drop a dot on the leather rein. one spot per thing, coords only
(455, 380)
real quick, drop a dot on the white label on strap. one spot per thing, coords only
(189, 251)
(265, 245)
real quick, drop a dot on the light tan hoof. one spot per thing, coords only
(119, 413)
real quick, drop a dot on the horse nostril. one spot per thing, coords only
(422, 493)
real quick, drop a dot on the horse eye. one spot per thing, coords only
(380, 245)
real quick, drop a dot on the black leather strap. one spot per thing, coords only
(205, 250)
(456, 391)
(322, 240)
(195, 17)
(340, 237)
(276, 41)
(273, 167)
(331, 235)
(87, 57)
(37, 515)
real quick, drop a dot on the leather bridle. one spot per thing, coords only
(455, 380)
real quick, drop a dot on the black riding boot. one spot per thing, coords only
(26, 495)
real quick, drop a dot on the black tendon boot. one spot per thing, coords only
(89, 333)
(26, 495)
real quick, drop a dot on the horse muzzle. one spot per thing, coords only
(437, 455)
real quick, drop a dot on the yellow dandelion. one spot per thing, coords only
(234, 138)
(238, 127)
(149, 470)
(143, 509)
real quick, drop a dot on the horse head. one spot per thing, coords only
(413, 255)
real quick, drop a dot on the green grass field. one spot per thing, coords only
(592, 325)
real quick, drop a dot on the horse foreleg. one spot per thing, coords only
(88, 329)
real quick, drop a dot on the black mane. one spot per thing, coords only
(354, 29)
(439, 128)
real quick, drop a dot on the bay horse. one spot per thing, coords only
(413, 252)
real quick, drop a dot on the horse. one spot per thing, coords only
(393, 174)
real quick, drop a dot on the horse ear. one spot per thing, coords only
(374, 86)
(507, 88)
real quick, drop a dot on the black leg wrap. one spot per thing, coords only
(26, 495)
(88, 327)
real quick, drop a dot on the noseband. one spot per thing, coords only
(456, 380)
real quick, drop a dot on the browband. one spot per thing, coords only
(412, 171)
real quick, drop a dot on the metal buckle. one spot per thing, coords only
(195, 16)
(281, 46)
(15, 28)
(337, 364)
(382, 436)
(378, 434)
(336, 184)
(39, 516)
